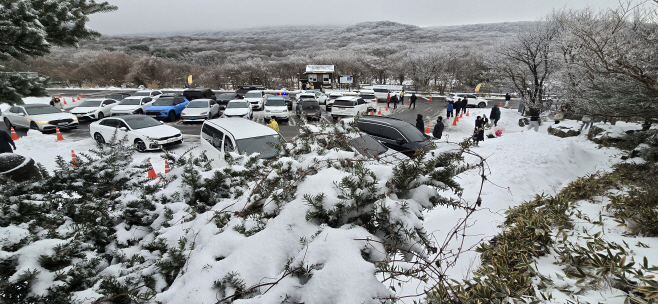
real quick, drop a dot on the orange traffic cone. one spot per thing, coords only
(78, 97)
(167, 170)
(380, 112)
(64, 100)
(14, 136)
(454, 121)
(74, 158)
(83, 96)
(427, 130)
(467, 112)
(151, 173)
(59, 95)
(461, 114)
(501, 105)
(59, 134)
(386, 108)
(430, 97)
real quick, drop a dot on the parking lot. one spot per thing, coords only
(429, 109)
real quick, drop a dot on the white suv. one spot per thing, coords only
(319, 96)
(472, 99)
(131, 105)
(256, 98)
(331, 98)
(154, 94)
(381, 94)
(276, 106)
(370, 97)
(349, 106)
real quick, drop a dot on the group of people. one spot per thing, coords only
(438, 127)
(394, 99)
(456, 106)
(56, 102)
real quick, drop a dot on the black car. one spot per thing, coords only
(308, 108)
(117, 96)
(243, 89)
(191, 94)
(395, 134)
(223, 99)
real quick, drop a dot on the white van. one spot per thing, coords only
(242, 136)
(349, 106)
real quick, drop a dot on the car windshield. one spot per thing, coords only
(307, 104)
(411, 133)
(276, 102)
(368, 96)
(266, 145)
(164, 101)
(198, 104)
(142, 94)
(345, 103)
(226, 96)
(42, 110)
(130, 102)
(142, 122)
(91, 103)
(253, 95)
(237, 104)
(367, 146)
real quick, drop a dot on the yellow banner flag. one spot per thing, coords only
(189, 79)
(477, 88)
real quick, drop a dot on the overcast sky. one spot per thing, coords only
(167, 16)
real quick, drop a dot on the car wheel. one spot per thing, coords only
(34, 126)
(171, 116)
(140, 111)
(140, 146)
(99, 138)
(101, 115)
(7, 123)
(482, 105)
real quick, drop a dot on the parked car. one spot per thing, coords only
(472, 99)
(396, 134)
(39, 117)
(369, 147)
(381, 94)
(223, 99)
(238, 108)
(168, 106)
(200, 109)
(144, 132)
(331, 98)
(117, 96)
(308, 108)
(154, 94)
(256, 98)
(191, 94)
(94, 108)
(319, 96)
(348, 106)
(132, 105)
(369, 97)
(244, 89)
(276, 106)
(221, 136)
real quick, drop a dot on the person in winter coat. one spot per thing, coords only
(534, 120)
(464, 104)
(449, 107)
(5, 141)
(485, 122)
(402, 97)
(52, 101)
(412, 100)
(388, 100)
(495, 115)
(478, 133)
(419, 123)
(586, 121)
(507, 99)
(58, 104)
(458, 106)
(273, 124)
(395, 100)
(438, 128)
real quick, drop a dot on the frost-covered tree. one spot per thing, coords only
(31, 28)
(612, 60)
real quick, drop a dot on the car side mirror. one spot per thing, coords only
(62, 110)
(21, 114)
(123, 129)
(162, 123)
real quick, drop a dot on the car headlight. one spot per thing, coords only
(41, 122)
(92, 111)
(75, 118)
(285, 111)
(204, 113)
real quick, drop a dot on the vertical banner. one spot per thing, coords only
(189, 80)
(477, 88)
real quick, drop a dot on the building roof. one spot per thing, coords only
(319, 69)
(242, 128)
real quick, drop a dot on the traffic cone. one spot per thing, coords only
(430, 97)
(74, 158)
(461, 114)
(427, 130)
(167, 170)
(64, 100)
(14, 136)
(454, 121)
(81, 95)
(59, 95)
(380, 112)
(78, 97)
(151, 173)
(501, 105)
(59, 134)
(387, 108)
(467, 112)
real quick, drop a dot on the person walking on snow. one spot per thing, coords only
(419, 123)
(273, 124)
(394, 99)
(5, 141)
(388, 100)
(495, 115)
(507, 99)
(534, 120)
(449, 108)
(402, 97)
(438, 128)
(412, 100)
(478, 134)
(458, 106)
(586, 121)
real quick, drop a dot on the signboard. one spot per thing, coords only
(346, 79)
